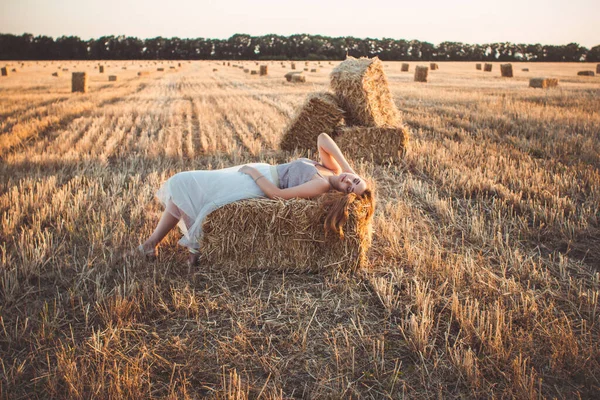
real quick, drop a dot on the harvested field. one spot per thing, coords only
(483, 274)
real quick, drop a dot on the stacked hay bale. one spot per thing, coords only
(112, 78)
(79, 82)
(264, 70)
(421, 73)
(362, 89)
(586, 73)
(543, 83)
(319, 113)
(379, 145)
(433, 66)
(506, 70)
(4, 71)
(295, 227)
(478, 66)
(487, 67)
(404, 67)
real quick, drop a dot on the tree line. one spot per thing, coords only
(276, 47)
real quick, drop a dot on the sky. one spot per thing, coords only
(469, 21)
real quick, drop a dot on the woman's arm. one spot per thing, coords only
(307, 190)
(331, 155)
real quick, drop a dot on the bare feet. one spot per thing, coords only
(193, 258)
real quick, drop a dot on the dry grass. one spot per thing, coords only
(483, 275)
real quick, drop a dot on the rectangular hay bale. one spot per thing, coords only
(506, 70)
(598, 69)
(79, 82)
(488, 67)
(543, 83)
(421, 73)
(264, 70)
(379, 145)
(405, 67)
(283, 235)
(363, 91)
(319, 113)
(4, 71)
(478, 66)
(433, 66)
(101, 69)
(298, 78)
(112, 78)
(586, 73)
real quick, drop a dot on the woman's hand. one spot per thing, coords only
(246, 169)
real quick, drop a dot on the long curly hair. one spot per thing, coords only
(338, 207)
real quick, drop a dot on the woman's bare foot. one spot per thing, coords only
(193, 258)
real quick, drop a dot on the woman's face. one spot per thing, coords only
(349, 183)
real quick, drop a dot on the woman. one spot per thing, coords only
(190, 196)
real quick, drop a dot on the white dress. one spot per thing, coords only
(197, 193)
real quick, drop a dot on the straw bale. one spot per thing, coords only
(506, 70)
(293, 65)
(65, 69)
(362, 89)
(487, 67)
(160, 69)
(112, 78)
(314, 70)
(254, 72)
(586, 73)
(264, 70)
(143, 73)
(246, 70)
(288, 76)
(283, 235)
(55, 74)
(478, 66)
(298, 78)
(405, 67)
(319, 113)
(79, 82)
(598, 69)
(421, 73)
(305, 62)
(14, 70)
(379, 145)
(179, 64)
(433, 66)
(282, 66)
(215, 69)
(172, 67)
(543, 82)
(101, 69)
(306, 69)
(4, 71)
(228, 63)
(525, 70)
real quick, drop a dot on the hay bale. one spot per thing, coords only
(172, 67)
(288, 76)
(143, 73)
(487, 67)
(179, 64)
(264, 70)
(254, 72)
(4, 71)
(506, 70)
(598, 69)
(421, 73)
(433, 66)
(55, 74)
(362, 89)
(405, 67)
(478, 66)
(283, 235)
(293, 66)
(112, 78)
(319, 113)
(298, 78)
(79, 82)
(379, 145)
(65, 69)
(586, 73)
(160, 69)
(306, 69)
(246, 70)
(123, 67)
(215, 69)
(543, 83)
(525, 69)
(13, 70)
(314, 70)
(101, 69)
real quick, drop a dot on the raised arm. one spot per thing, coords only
(307, 190)
(331, 155)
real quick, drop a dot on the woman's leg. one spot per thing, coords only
(168, 221)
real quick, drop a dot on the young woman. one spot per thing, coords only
(190, 196)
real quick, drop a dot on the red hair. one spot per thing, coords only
(338, 206)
